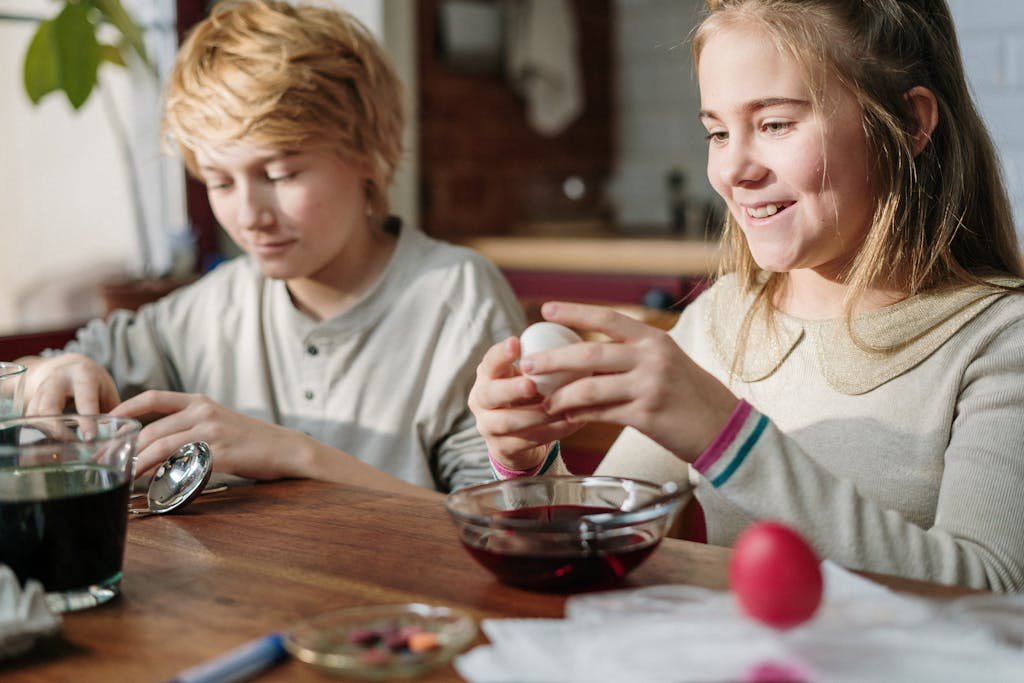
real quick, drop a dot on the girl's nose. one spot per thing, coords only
(740, 164)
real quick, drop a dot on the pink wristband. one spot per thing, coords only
(506, 473)
(725, 437)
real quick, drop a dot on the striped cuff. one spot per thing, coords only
(732, 445)
(502, 472)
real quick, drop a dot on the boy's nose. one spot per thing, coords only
(253, 214)
(264, 218)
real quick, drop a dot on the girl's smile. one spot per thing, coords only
(766, 210)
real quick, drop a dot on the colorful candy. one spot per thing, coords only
(380, 644)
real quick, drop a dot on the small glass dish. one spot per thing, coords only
(381, 642)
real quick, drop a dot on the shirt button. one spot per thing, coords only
(312, 350)
(309, 395)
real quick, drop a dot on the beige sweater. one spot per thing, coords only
(909, 462)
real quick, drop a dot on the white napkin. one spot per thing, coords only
(542, 59)
(862, 633)
(24, 615)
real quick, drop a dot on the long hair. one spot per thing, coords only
(288, 77)
(941, 218)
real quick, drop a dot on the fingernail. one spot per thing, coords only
(549, 309)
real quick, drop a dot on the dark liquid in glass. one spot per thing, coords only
(63, 526)
(8, 437)
(561, 563)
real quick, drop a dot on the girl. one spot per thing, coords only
(342, 346)
(857, 371)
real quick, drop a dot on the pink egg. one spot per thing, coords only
(775, 575)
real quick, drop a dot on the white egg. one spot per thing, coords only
(543, 336)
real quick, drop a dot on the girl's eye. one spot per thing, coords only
(717, 137)
(776, 127)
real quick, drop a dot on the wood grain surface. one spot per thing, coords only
(240, 564)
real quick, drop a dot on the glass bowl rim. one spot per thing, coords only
(123, 429)
(128, 424)
(10, 369)
(585, 524)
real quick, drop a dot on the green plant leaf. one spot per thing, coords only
(119, 17)
(112, 54)
(40, 72)
(78, 52)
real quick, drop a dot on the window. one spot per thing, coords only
(66, 184)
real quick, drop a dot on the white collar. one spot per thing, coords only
(894, 339)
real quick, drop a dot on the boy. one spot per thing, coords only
(342, 346)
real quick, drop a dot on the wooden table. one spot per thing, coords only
(240, 564)
(623, 255)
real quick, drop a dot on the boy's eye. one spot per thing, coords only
(280, 176)
(215, 184)
(717, 136)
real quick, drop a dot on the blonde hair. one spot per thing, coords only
(287, 77)
(941, 218)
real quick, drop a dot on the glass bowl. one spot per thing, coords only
(381, 642)
(564, 532)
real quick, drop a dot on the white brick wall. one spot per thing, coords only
(991, 36)
(657, 105)
(658, 101)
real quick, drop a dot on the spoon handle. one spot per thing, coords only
(140, 512)
(209, 489)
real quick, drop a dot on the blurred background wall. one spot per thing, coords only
(474, 164)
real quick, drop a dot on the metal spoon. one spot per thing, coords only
(178, 480)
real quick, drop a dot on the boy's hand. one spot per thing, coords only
(52, 384)
(240, 445)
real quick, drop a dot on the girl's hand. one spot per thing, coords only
(240, 445)
(509, 413)
(51, 384)
(643, 380)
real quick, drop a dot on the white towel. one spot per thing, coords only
(24, 615)
(862, 633)
(543, 62)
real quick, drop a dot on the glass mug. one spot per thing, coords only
(12, 379)
(64, 487)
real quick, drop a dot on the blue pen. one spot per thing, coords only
(236, 665)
